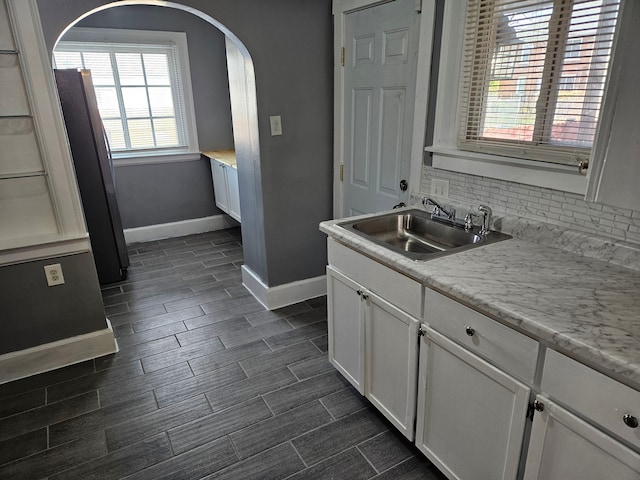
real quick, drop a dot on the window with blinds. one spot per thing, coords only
(139, 93)
(533, 77)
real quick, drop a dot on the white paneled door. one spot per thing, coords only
(381, 45)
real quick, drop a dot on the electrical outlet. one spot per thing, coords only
(439, 187)
(276, 125)
(54, 274)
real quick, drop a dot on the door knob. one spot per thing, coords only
(630, 421)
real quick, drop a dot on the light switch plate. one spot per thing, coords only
(276, 125)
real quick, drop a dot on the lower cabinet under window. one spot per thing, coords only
(563, 446)
(471, 415)
(467, 382)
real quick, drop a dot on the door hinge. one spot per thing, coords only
(342, 57)
(342, 173)
(419, 6)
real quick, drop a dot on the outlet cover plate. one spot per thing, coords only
(439, 187)
(54, 274)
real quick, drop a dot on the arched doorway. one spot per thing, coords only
(244, 112)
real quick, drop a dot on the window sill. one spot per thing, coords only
(540, 174)
(122, 160)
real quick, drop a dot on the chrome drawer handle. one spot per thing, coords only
(630, 421)
(470, 331)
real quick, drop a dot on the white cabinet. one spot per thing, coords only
(391, 361)
(471, 415)
(40, 209)
(374, 345)
(225, 188)
(513, 352)
(220, 189)
(470, 390)
(562, 446)
(234, 192)
(346, 327)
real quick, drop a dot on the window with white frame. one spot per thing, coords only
(143, 96)
(533, 77)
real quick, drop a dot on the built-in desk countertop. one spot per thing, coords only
(228, 157)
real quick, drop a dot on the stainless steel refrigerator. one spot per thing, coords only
(94, 171)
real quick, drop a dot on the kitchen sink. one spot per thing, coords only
(414, 234)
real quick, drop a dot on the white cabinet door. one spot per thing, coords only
(471, 415)
(234, 193)
(391, 361)
(220, 189)
(562, 446)
(346, 327)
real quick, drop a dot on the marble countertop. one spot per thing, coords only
(585, 307)
(228, 157)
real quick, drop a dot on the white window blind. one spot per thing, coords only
(534, 74)
(139, 93)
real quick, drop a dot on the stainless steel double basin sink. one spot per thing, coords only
(414, 234)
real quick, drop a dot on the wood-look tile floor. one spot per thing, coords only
(207, 385)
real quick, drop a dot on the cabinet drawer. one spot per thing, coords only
(394, 287)
(505, 348)
(595, 396)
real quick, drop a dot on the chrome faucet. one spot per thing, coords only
(451, 213)
(486, 220)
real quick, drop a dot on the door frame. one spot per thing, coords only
(341, 8)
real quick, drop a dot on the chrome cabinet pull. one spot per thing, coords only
(538, 405)
(630, 421)
(359, 292)
(470, 331)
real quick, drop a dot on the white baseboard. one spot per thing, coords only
(283, 295)
(31, 361)
(178, 229)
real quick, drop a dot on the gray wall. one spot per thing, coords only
(148, 195)
(153, 194)
(290, 42)
(34, 313)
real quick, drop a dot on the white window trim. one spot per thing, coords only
(179, 39)
(447, 155)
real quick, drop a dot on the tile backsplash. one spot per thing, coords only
(565, 209)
